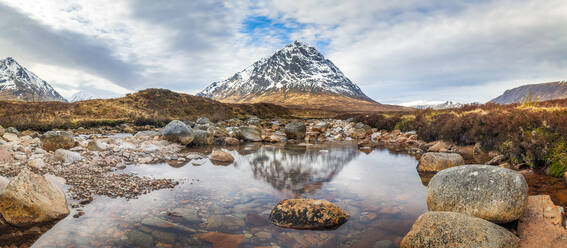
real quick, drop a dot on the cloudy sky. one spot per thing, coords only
(397, 51)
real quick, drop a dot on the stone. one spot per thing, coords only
(320, 126)
(177, 131)
(295, 130)
(147, 134)
(5, 156)
(203, 120)
(231, 141)
(202, 138)
(67, 156)
(449, 229)
(439, 146)
(541, 224)
(140, 239)
(225, 222)
(10, 137)
(221, 156)
(95, 145)
(488, 192)
(12, 130)
(54, 140)
(36, 163)
(308, 214)
(31, 199)
(3, 184)
(384, 244)
(2, 131)
(251, 134)
(437, 161)
(496, 160)
(223, 240)
(149, 147)
(189, 214)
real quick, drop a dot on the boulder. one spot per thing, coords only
(488, 192)
(95, 145)
(437, 161)
(231, 141)
(202, 138)
(31, 199)
(250, 133)
(5, 156)
(448, 229)
(496, 160)
(177, 131)
(54, 140)
(203, 120)
(295, 130)
(439, 146)
(221, 156)
(10, 137)
(320, 126)
(541, 224)
(308, 214)
(67, 156)
(12, 130)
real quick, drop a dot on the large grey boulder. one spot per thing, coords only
(492, 193)
(437, 161)
(448, 229)
(202, 138)
(251, 133)
(54, 140)
(31, 199)
(295, 130)
(177, 131)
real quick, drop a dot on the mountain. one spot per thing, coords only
(297, 76)
(82, 96)
(533, 92)
(18, 83)
(443, 105)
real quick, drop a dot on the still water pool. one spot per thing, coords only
(381, 191)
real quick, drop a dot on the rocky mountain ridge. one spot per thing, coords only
(533, 92)
(18, 83)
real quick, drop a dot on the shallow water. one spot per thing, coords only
(381, 190)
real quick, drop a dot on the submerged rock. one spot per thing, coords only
(295, 130)
(251, 133)
(54, 140)
(488, 192)
(308, 214)
(223, 240)
(177, 131)
(541, 224)
(31, 199)
(221, 156)
(437, 161)
(448, 229)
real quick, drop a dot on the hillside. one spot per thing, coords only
(18, 83)
(151, 106)
(533, 92)
(297, 76)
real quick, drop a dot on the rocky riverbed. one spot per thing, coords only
(90, 163)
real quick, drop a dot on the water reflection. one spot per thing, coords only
(380, 190)
(300, 169)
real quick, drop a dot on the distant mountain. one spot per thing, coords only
(444, 105)
(18, 83)
(82, 96)
(296, 76)
(533, 92)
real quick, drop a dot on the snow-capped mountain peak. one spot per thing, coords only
(296, 68)
(18, 83)
(82, 96)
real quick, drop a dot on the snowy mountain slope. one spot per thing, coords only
(443, 105)
(296, 68)
(82, 96)
(18, 83)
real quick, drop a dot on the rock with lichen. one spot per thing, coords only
(308, 214)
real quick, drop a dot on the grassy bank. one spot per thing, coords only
(531, 133)
(148, 107)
